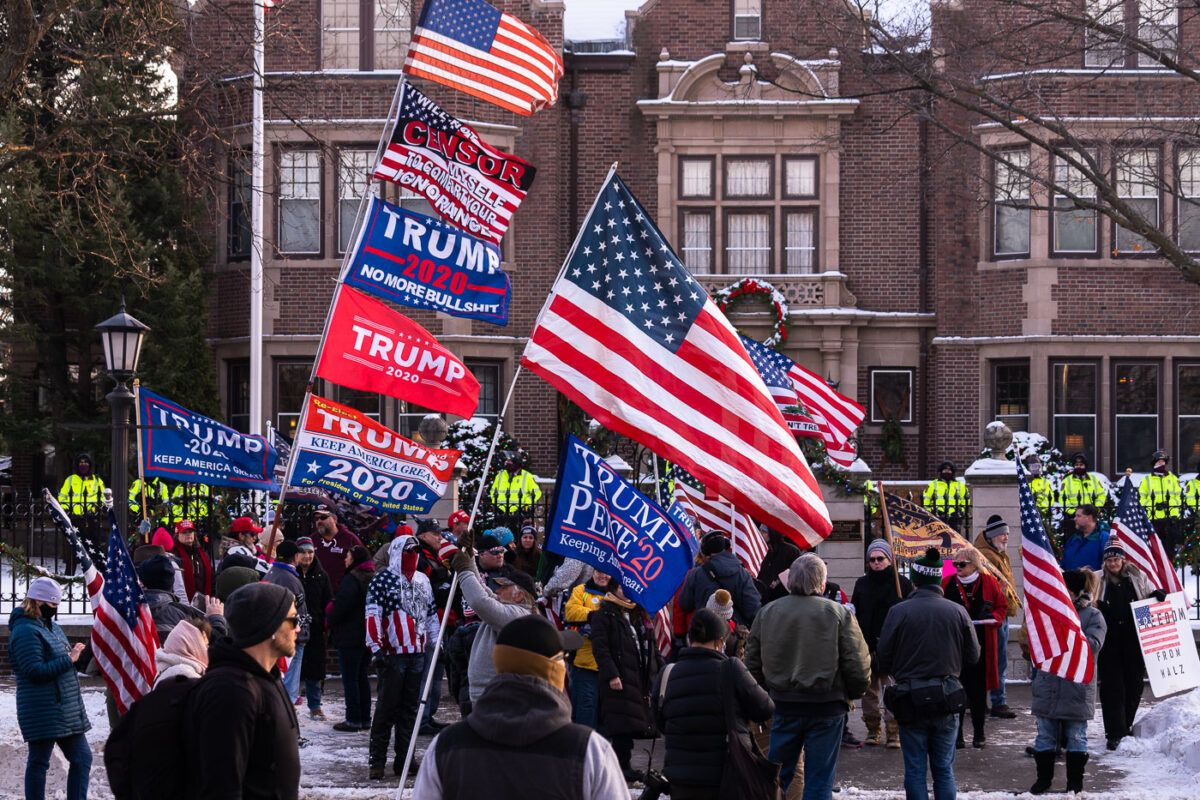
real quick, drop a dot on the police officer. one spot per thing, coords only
(191, 501)
(946, 497)
(1040, 486)
(158, 498)
(1162, 497)
(514, 488)
(83, 491)
(1079, 488)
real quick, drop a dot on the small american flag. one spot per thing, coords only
(634, 340)
(1156, 627)
(662, 630)
(1056, 641)
(716, 515)
(472, 46)
(123, 634)
(1142, 546)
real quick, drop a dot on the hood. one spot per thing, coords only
(17, 617)
(519, 710)
(85, 457)
(1083, 601)
(396, 553)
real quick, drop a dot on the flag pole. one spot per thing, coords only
(887, 535)
(137, 419)
(257, 187)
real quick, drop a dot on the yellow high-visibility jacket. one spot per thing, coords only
(1161, 495)
(945, 497)
(1043, 493)
(1078, 492)
(511, 493)
(80, 495)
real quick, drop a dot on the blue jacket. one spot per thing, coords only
(731, 576)
(1086, 551)
(49, 703)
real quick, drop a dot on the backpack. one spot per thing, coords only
(152, 725)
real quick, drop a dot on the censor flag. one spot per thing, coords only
(472, 46)
(1056, 641)
(1142, 546)
(370, 347)
(635, 340)
(471, 184)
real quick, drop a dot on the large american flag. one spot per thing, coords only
(401, 616)
(1142, 546)
(472, 46)
(715, 515)
(123, 634)
(634, 339)
(832, 416)
(1056, 641)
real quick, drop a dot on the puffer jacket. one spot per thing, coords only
(585, 599)
(623, 643)
(49, 702)
(1058, 698)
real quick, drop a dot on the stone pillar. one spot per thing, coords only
(843, 550)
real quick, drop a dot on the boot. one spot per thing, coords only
(1075, 764)
(1044, 759)
(874, 734)
(893, 734)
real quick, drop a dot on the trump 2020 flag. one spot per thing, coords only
(602, 520)
(472, 46)
(181, 445)
(635, 340)
(370, 347)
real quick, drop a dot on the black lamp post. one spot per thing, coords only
(122, 336)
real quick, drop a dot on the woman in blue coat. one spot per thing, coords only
(49, 704)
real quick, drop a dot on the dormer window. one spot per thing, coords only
(747, 20)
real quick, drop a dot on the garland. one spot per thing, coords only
(28, 568)
(752, 286)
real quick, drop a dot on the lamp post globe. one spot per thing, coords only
(122, 336)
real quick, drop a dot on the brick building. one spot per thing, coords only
(765, 143)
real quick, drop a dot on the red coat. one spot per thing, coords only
(986, 590)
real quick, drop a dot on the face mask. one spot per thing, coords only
(1080, 472)
(83, 469)
(48, 611)
(1035, 469)
(947, 476)
(1160, 469)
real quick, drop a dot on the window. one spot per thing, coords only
(1010, 381)
(1073, 401)
(354, 181)
(1189, 199)
(340, 46)
(696, 178)
(1010, 225)
(1155, 23)
(1135, 415)
(291, 382)
(748, 243)
(1137, 184)
(747, 19)
(240, 195)
(409, 416)
(697, 238)
(369, 403)
(392, 27)
(237, 394)
(1104, 49)
(1187, 401)
(1158, 27)
(416, 203)
(488, 374)
(800, 177)
(1075, 229)
(747, 178)
(800, 245)
(300, 201)
(343, 45)
(891, 395)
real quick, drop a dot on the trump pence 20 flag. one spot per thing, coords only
(472, 46)
(635, 340)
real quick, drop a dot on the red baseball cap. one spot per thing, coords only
(457, 517)
(184, 525)
(244, 525)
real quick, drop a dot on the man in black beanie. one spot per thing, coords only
(719, 568)
(157, 575)
(240, 721)
(520, 732)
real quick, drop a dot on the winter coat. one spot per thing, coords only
(242, 731)
(1002, 564)
(926, 636)
(566, 576)
(779, 558)
(983, 600)
(286, 576)
(494, 615)
(874, 595)
(584, 599)
(623, 645)
(347, 619)
(691, 714)
(527, 562)
(1059, 698)
(1113, 599)
(197, 570)
(318, 593)
(332, 553)
(722, 571)
(167, 612)
(1086, 551)
(49, 702)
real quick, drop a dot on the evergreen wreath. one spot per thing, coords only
(753, 286)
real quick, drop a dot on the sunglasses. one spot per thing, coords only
(876, 559)
(295, 621)
(496, 551)
(960, 564)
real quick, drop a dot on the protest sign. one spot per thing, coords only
(345, 451)
(181, 445)
(1165, 635)
(602, 520)
(418, 261)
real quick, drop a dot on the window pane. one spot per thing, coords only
(1074, 228)
(1137, 183)
(409, 416)
(291, 382)
(697, 242)
(1189, 225)
(1074, 389)
(1012, 229)
(417, 204)
(339, 34)
(488, 375)
(240, 195)
(749, 245)
(747, 19)
(299, 201)
(237, 377)
(1158, 26)
(697, 178)
(800, 249)
(1011, 196)
(800, 177)
(1189, 203)
(748, 177)
(891, 395)
(1103, 50)
(1189, 444)
(1135, 390)
(1076, 435)
(1188, 385)
(392, 29)
(1012, 390)
(354, 181)
(1136, 439)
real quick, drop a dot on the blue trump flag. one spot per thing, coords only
(602, 520)
(422, 262)
(181, 445)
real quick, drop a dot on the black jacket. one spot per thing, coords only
(243, 731)
(318, 592)
(692, 716)
(874, 595)
(347, 620)
(722, 571)
(779, 558)
(626, 651)
(927, 636)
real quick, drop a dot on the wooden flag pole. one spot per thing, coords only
(887, 535)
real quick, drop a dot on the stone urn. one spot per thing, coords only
(997, 437)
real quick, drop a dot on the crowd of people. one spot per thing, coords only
(556, 672)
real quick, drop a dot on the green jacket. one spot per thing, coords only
(808, 650)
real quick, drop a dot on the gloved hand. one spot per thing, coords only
(462, 561)
(381, 663)
(1159, 595)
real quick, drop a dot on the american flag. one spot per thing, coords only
(1157, 626)
(472, 46)
(662, 630)
(401, 616)
(633, 338)
(1142, 546)
(469, 183)
(1056, 641)
(715, 515)
(123, 634)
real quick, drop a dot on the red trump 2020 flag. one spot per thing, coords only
(472, 46)
(635, 340)
(370, 347)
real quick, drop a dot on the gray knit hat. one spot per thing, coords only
(721, 604)
(255, 611)
(882, 546)
(996, 526)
